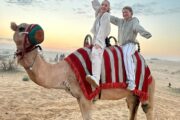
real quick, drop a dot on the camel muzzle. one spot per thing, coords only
(35, 34)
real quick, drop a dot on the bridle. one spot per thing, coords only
(21, 53)
(27, 47)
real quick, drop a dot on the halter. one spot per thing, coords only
(34, 34)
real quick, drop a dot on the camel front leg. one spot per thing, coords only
(148, 110)
(85, 107)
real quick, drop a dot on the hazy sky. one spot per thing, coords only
(66, 22)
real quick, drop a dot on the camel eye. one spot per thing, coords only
(21, 29)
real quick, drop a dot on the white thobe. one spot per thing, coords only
(101, 30)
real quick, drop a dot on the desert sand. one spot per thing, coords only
(24, 100)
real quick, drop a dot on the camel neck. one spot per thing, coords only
(43, 73)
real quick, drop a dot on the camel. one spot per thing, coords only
(61, 76)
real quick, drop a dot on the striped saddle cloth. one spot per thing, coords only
(113, 74)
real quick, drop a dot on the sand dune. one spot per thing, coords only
(24, 100)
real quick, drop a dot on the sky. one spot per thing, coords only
(66, 22)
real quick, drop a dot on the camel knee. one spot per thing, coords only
(146, 108)
(129, 103)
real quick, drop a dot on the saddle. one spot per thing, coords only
(113, 74)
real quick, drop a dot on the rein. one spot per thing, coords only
(27, 50)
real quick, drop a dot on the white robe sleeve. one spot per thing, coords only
(139, 29)
(104, 30)
(96, 5)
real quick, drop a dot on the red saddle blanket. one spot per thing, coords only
(113, 74)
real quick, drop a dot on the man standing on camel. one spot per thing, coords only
(128, 28)
(101, 29)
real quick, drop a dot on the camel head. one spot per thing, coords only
(26, 36)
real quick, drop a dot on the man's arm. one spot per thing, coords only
(115, 20)
(138, 28)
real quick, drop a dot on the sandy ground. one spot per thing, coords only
(20, 100)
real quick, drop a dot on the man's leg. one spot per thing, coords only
(96, 59)
(128, 51)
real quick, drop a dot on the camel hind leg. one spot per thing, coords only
(148, 107)
(133, 104)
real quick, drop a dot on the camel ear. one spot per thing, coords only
(13, 26)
